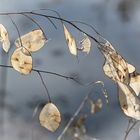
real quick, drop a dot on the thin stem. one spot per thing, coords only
(76, 27)
(6, 66)
(56, 74)
(16, 29)
(129, 123)
(73, 117)
(46, 72)
(130, 128)
(19, 13)
(78, 110)
(44, 9)
(30, 18)
(54, 12)
(104, 91)
(81, 22)
(47, 17)
(54, 17)
(49, 97)
(58, 18)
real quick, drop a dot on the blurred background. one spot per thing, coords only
(118, 21)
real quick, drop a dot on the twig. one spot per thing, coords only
(57, 74)
(84, 23)
(77, 111)
(49, 97)
(74, 116)
(46, 72)
(30, 18)
(129, 123)
(53, 17)
(129, 128)
(16, 29)
(64, 20)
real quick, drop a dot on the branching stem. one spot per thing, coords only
(78, 109)
(54, 17)
(16, 29)
(43, 71)
(30, 18)
(129, 128)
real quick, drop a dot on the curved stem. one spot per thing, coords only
(78, 110)
(30, 18)
(47, 72)
(49, 97)
(84, 23)
(53, 73)
(19, 13)
(64, 20)
(55, 13)
(57, 18)
(45, 17)
(44, 9)
(73, 117)
(16, 29)
(130, 128)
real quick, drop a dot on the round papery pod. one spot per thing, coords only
(33, 41)
(21, 60)
(50, 117)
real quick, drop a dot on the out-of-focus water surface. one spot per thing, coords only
(118, 21)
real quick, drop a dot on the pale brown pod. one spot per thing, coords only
(21, 60)
(85, 44)
(50, 117)
(32, 41)
(116, 68)
(70, 40)
(4, 38)
(130, 103)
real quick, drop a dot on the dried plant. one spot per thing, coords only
(115, 67)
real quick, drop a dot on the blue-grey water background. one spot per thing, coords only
(117, 20)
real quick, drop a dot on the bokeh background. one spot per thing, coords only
(117, 20)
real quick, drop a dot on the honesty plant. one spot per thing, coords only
(115, 67)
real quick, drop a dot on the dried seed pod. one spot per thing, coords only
(32, 41)
(21, 60)
(4, 38)
(115, 67)
(130, 103)
(50, 117)
(70, 40)
(85, 44)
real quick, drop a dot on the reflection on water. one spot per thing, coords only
(118, 21)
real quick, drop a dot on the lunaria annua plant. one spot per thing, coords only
(115, 67)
